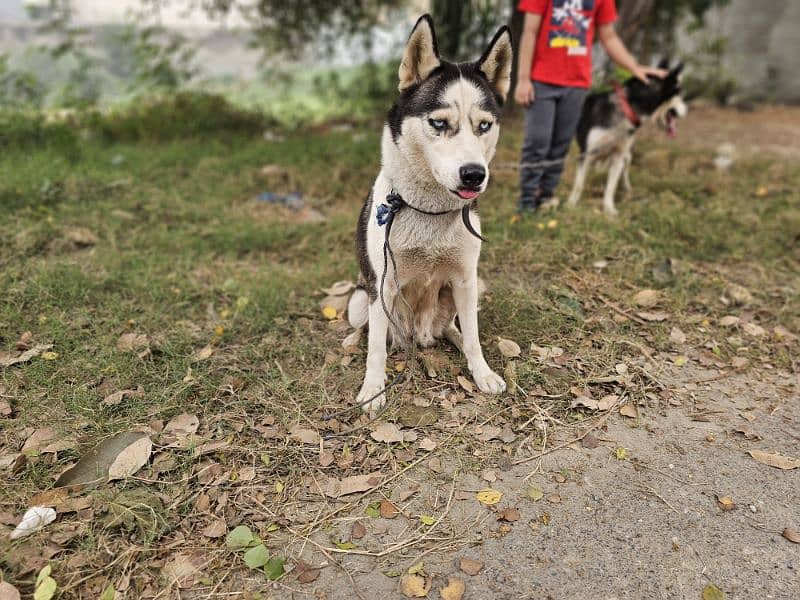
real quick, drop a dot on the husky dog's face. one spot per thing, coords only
(662, 97)
(445, 122)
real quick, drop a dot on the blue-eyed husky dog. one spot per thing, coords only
(438, 141)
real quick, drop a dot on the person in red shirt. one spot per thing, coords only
(555, 72)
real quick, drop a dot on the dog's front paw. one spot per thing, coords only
(372, 396)
(489, 382)
(611, 212)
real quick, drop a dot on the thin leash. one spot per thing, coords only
(385, 218)
(523, 166)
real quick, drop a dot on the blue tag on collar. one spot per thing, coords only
(383, 213)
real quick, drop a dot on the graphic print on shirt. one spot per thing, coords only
(570, 24)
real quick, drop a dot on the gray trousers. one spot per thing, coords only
(550, 124)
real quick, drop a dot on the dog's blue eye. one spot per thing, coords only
(438, 124)
(484, 126)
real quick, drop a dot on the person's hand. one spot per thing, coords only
(523, 93)
(642, 73)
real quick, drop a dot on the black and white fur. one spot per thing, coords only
(605, 134)
(437, 143)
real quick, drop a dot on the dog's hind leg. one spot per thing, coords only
(584, 165)
(453, 336)
(614, 173)
(626, 174)
(358, 308)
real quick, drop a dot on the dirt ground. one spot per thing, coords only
(649, 526)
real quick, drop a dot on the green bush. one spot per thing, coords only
(24, 129)
(184, 114)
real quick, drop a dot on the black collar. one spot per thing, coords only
(395, 203)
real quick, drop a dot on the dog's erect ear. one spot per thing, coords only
(664, 63)
(496, 62)
(421, 55)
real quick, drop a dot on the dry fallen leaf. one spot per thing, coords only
(305, 436)
(466, 384)
(117, 397)
(646, 298)
(39, 439)
(387, 432)
(470, 566)
(388, 510)
(753, 329)
(590, 441)
(427, 444)
(606, 402)
(114, 458)
(182, 426)
(489, 496)
(509, 515)
(132, 342)
(358, 531)
(508, 348)
(203, 354)
(775, 460)
(215, 529)
(712, 592)
(629, 410)
(792, 535)
(653, 316)
(326, 458)
(183, 570)
(454, 590)
(729, 321)
(334, 488)
(739, 294)
(7, 361)
(34, 519)
(8, 591)
(546, 353)
(676, 336)
(414, 586)
(340, 288)
(305, 572)
(131, 459)
(725, 503)
(535, 493)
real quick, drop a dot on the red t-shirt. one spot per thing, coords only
(563, 53)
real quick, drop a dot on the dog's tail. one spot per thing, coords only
(358, 308)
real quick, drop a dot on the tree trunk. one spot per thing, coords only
(517, 19)
(632, 25)
(449, 17)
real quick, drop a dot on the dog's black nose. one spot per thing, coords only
(472, 174)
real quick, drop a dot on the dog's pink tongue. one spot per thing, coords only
(468, 194)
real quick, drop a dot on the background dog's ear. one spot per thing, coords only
(496, 62)
(421, 55)
(664, 63)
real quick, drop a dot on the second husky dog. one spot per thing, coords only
(610, 120)
(437, 143)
